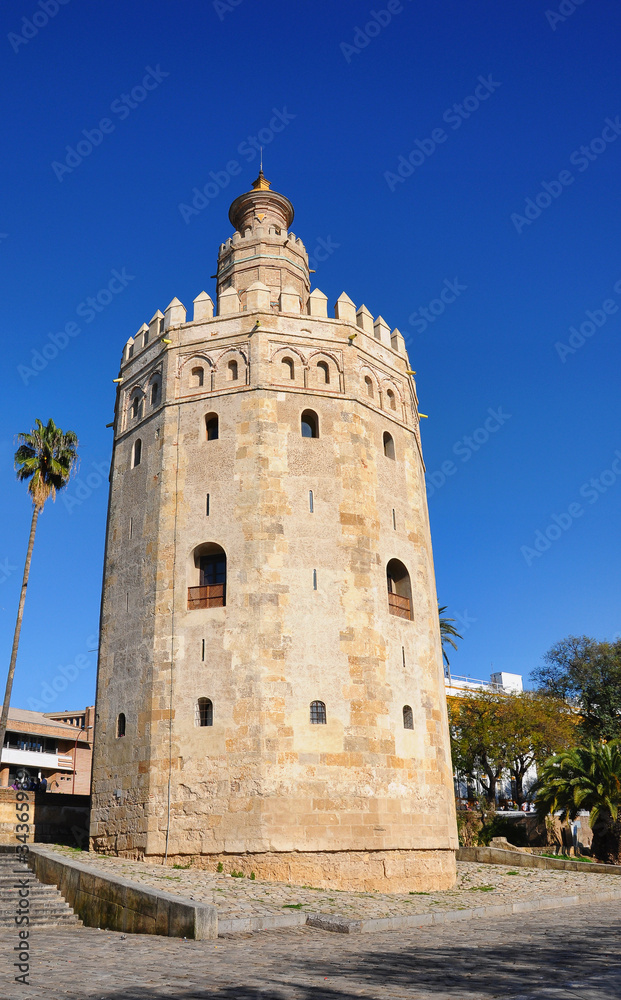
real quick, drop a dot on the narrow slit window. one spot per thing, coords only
(391, 399)
(323, 371)
(120, 725)
(408, 717)
(369, 385)
(318, 713)
(233, 370)
(311, 502)
(394, 519)
(155, 394)
(131, 527)
(203, 650)
(137, 455)
(403, 656)
(314, 579)
(207, 506)
(198, 377)
(288, 368)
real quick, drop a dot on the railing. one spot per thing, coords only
(206, 597)
(399, 606)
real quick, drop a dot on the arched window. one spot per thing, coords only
(368, 381)
(137, 453)
(310, 424)
(408, 718)
(288, 368)
(392, 402)
(211, 426)
(136, 409)
(155, 393)
(399, 589)
(323, 371)
(204, 712)
(318, 713)
(210, 572)
(120, 725)
(198, 377)
(233, 371)
(389, 445)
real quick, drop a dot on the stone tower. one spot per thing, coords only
(270, 684)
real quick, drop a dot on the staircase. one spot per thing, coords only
(47, 906)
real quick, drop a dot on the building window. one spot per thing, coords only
(394, 519)
(198, 377)
(204, 712)
(210, 561)
(311, 501)
(288, 368)
(233, 371)
(314, 579)
(211, 426)
(310, 424)
(207, 506)
(137, 453)
(120, 725)
(323, 370)
(391, 399)
(389, 445)
(318, 713)
(369, 384)
(155, 393)
(408, 718)
(399, 589)
(136, 409)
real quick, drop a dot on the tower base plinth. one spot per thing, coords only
(356, 871)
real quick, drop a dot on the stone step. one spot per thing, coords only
(47, 906)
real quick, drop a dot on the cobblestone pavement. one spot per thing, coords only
(557, 955)
(477, 884)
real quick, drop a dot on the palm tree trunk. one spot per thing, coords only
(18, 627)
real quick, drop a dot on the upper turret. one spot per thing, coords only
(262, 248)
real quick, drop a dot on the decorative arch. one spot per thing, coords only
(370, 381)
(298, 361)
(318, 362)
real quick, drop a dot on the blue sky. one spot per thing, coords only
(483, 110)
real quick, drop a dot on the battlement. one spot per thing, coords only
(257, 297)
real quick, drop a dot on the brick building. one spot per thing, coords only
(57, 745)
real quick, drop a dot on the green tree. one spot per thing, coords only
(448, 633)
(537, 725)
(587, 777)
(587, 673)
(45, 459)
(479, 743)
(493, 732)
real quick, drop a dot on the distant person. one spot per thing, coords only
(43, 785)
(524, 807)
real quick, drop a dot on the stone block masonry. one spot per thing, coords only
(270, 647)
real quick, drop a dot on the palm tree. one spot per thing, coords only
(587, 777)
(46, 457)
(448, 633)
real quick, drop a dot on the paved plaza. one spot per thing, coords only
(572, 955)
(241, 901)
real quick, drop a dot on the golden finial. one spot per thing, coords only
(261, 184)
